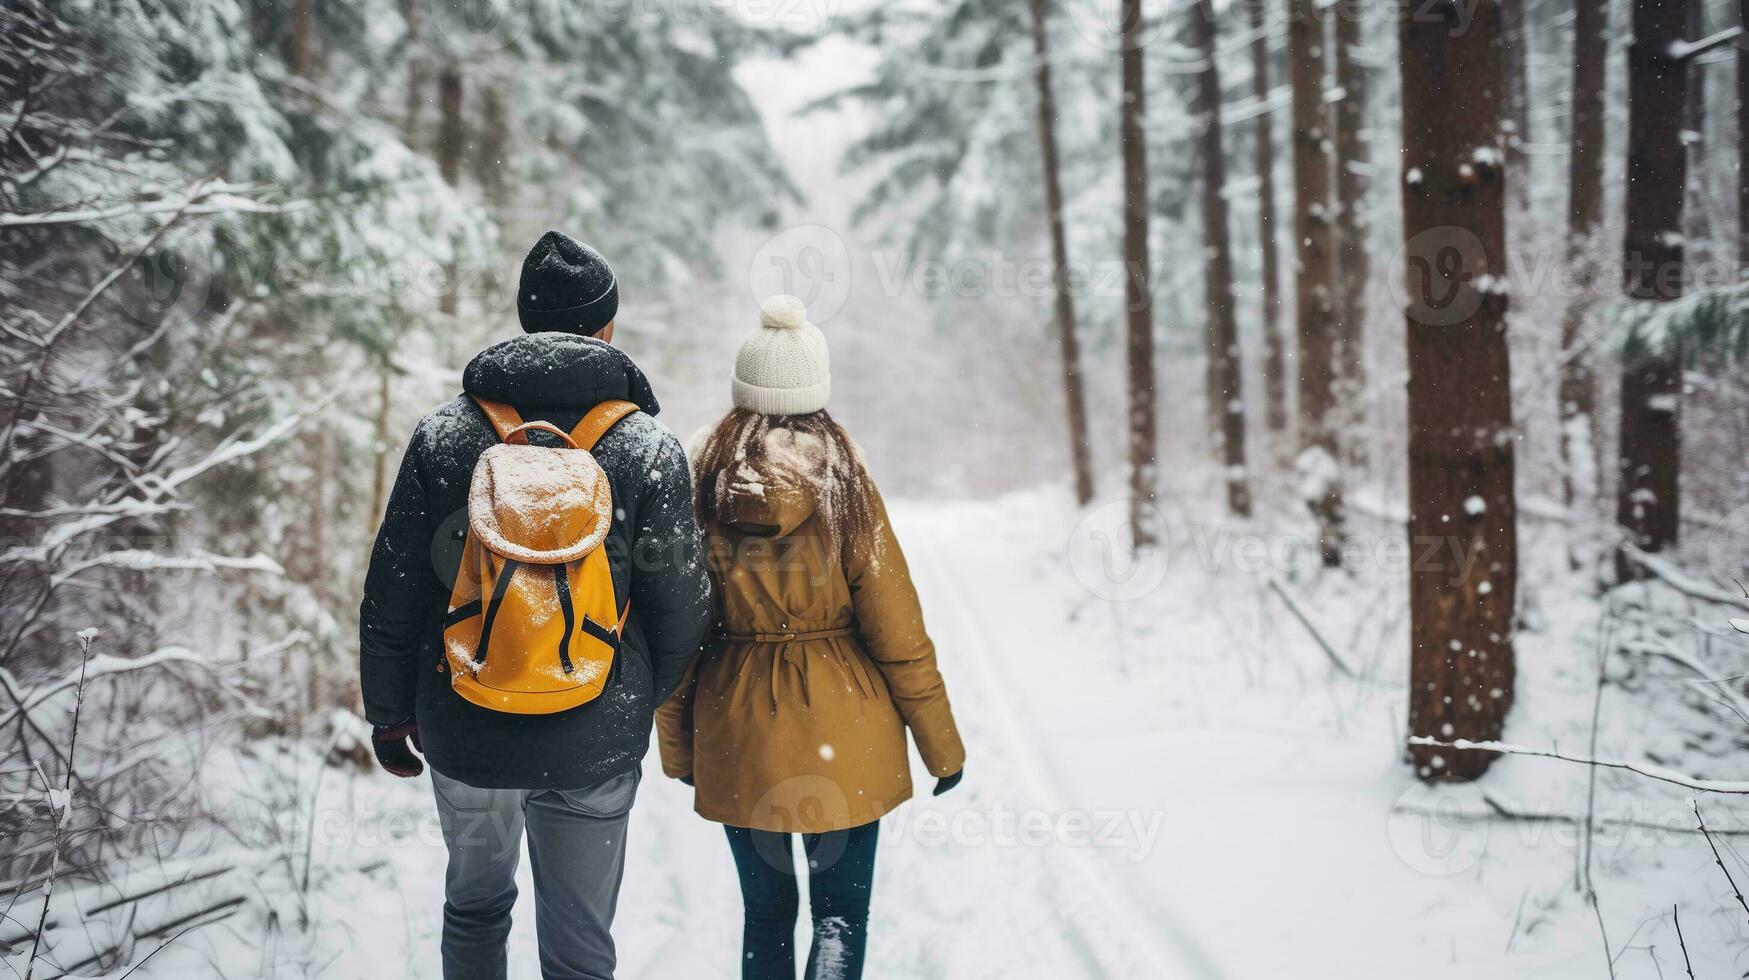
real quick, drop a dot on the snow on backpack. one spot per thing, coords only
(534, 623)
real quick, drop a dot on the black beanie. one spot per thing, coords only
(566, 286)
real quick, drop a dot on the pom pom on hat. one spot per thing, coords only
(783, 312)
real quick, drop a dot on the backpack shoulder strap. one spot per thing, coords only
(504, 418)
(598, 420)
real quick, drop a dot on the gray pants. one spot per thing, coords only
(576, 848)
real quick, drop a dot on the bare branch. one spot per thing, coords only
(1718, 859)
(1733, 787)
(1294, 608)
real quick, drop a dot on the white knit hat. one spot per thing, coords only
(783, 367)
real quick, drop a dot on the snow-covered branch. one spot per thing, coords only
(100, 667)
(141, 560)
(1659, 773)
(156, 489)
(209, 202)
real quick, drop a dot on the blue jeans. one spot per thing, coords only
(576, 848)
(840, 878)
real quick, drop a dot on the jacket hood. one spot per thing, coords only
(557, 370)
(768, 502)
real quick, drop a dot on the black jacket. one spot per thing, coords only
(653, 549)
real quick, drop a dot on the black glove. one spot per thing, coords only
(686, 779)
(946, 783)
(390, 743)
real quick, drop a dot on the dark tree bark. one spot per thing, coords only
(1461, 665)
(1353, 160)
(451, 140)
(1319, 461)
(1138, 292)
(493, 148)
(1578, 387)
(1274, 342)
(1075, 404)
(301, 48)
(1647, 498)
(1225, 381)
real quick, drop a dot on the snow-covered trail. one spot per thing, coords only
(996, 878)
(970, 884)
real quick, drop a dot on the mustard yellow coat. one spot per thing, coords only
(793, 719)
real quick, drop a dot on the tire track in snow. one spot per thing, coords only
(1125, 943)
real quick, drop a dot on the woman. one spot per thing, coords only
(793, 720)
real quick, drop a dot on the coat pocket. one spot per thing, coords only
(612, 797)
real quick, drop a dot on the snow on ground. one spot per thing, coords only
(1168, 784)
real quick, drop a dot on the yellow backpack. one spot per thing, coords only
(534, 622)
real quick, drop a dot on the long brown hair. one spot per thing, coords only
(832, 467)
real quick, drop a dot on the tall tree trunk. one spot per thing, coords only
(1743, 144)
(1225, 380)
(418, 71)
(494, 144)
(301, 50)
(1319, 463)
(1353, 163)
(382, 452)
(1578, 387)
(1696, 228)
(451, 140)
(1138, 293)
(1516, 125)
(1274, 342)
(1075, 404)
(1461, 439)
(1647, 499)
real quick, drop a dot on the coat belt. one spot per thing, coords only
(785, 636)
(791, 655)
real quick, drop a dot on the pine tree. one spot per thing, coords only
(1353, 163)
(1224, 379)
(1577, 388)
(1075, 404)
(1269, 268)
(1461, 439)
(1319, 464)
(1647, 498)
(1138, 291)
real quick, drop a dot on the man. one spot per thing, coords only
(568, 777)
